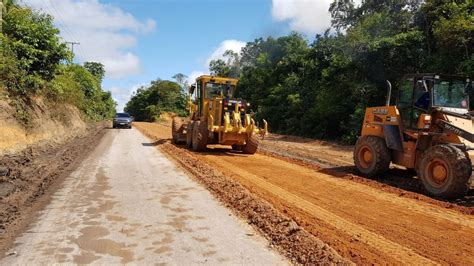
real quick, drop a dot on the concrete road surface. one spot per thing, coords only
(127, 203)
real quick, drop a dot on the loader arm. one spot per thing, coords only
(455, 130)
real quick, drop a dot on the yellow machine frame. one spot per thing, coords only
(225, 117)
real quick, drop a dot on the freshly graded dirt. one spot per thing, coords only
(283, 232)
(33, 174)
(337, 160)
(363, 220)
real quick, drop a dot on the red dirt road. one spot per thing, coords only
(363, 223)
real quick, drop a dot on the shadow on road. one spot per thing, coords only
(398, 178)
(156, 143)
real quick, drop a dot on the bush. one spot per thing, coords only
(148, 103)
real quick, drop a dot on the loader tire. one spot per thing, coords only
(444, 171)
(251, 145)
(175, 126)
(371, 156)
(200, 135)
(189, 135)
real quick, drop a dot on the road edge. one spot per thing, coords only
(21, 208)
(298, 245)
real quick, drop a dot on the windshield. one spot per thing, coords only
(122, 115)
(450, 93)
(212, 90)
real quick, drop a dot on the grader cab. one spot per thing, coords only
(217, 117)
(430, 130)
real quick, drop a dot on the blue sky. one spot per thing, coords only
(139, 41)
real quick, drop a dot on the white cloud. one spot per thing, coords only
(122, 95)
(308, 16)
(105, 32)
(192, 77)
(233, 45)
(218, 52)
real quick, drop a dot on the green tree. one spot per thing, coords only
(228, 67)
(34, 41)
(448, 28)
(147, 103)
(33, 63)
(218, 67)
(182, 80)
(97, 69)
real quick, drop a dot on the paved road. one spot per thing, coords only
(127, 203)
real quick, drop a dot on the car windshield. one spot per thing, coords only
(450, 93)
(122, 115)
(217, 89)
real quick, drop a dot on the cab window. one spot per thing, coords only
(218, 90)
(405, 100)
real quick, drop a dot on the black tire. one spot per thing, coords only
(251, 145)
(444, 171)
(236, 147)
(200, 135)
(189, 135)
(175, 126)
(371, 156)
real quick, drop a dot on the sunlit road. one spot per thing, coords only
(127, 203)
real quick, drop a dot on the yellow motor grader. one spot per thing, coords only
(217, 117)
(429, 129)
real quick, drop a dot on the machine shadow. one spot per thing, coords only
(156, 143)
(395, 177)
(398, 178)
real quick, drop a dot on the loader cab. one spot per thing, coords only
(420, 94)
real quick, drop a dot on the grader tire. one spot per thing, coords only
(371, 156)
(189, 135)
(200, 135)
(236, 147)
(444, 171)
(175, 126)
(251, 145)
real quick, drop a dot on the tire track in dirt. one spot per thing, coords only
(363, 223)
(35, 174)
(338, 160)
(392, 249)
(428, 230)
(291, 240)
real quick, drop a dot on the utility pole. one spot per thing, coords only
(72, 46)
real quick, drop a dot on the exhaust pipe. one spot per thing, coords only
(389, 93)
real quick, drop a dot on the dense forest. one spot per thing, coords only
(320, 88)
(35, 62)
(149, 102)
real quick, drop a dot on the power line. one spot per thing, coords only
(62, 22)
(51, 9)
(60, 19)
(72, 46)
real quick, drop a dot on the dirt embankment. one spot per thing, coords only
(47, 124)
(33, 175)
(365, 222)
(33, 158)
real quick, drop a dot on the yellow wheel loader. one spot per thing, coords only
(429, 129)
(217, 117)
